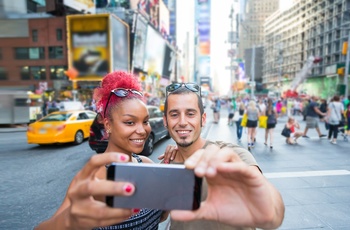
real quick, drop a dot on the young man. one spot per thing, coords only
(312, 112)
(238, 195)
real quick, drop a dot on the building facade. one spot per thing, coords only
(307, 28)
(32, 50)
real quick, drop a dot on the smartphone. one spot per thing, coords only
(158, 186)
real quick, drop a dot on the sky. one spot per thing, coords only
(220, 26)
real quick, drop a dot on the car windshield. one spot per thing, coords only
(57, 117)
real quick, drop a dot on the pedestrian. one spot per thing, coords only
(126, 122)
(261, 106)
(184, 118)
(292, 125)
(238, 118)
(296, 107)
(231, 104)
(312, 112)
(253, 116)
(279, 105)
(335, 111)
(271, 122)
(216, 110)
(323, 108)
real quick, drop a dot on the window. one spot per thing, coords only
(25, 73)
(59, 34)
(35, 35)
(33, 53)
(56, 52)
(57, 72)
(33, 73)
(3, 73)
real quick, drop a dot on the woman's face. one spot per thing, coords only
(129, 127)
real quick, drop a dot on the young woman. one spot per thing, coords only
(292, 124)
(253, 116)
(335, 111)
(120, 101)
(271, 122)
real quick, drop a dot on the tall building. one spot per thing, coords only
(307, 28)
(252, 22)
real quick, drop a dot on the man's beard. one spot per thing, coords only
(184, 144)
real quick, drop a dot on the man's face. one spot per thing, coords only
(184, 120)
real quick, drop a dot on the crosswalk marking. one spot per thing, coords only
(307, 173)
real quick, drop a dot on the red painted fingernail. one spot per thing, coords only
(122, 157)
(128, 188)
(166, 162)
(136, 210)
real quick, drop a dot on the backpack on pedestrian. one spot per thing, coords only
(271, 118)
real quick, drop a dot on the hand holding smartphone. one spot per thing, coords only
(158, 186)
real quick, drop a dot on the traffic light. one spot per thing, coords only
(341, 71)
(345, 48)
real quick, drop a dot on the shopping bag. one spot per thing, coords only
(286, 132)
(244, 120)
(263, 122)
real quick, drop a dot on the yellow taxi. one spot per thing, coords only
(61, 127)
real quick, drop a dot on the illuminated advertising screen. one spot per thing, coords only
(119, 44)
(155, 48)
(88, 45)
(140, 43)
(164, 19)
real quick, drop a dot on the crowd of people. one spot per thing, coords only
(265, 112)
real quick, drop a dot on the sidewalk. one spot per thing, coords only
(12, 128)
(312, 176)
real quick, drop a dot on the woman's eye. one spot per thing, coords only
(128, 122)
(146, 122)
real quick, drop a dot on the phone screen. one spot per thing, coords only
(158, 186)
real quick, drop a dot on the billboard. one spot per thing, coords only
(83, 6)
(88, 44)
(154, 13)
(164, 19)
(119, 44)
(140, 43)
(155, 49)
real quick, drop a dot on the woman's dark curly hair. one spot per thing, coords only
(114, 80)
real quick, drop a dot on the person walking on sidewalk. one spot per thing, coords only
(271, 122)
(238, 118)
(335, 111)
(253, 116)
(312, 112)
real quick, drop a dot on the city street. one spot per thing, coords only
(313, 176)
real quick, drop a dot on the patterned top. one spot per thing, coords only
(145, 219)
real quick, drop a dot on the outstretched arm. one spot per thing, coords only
(238, 194)
(80, 208)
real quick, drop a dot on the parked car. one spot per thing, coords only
(61, 127)
(98, 141)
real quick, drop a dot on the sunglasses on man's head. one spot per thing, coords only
(121, 92)
(190, 86)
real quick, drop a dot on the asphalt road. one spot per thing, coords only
(313, 176)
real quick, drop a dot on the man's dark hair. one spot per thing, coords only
(184, 90)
